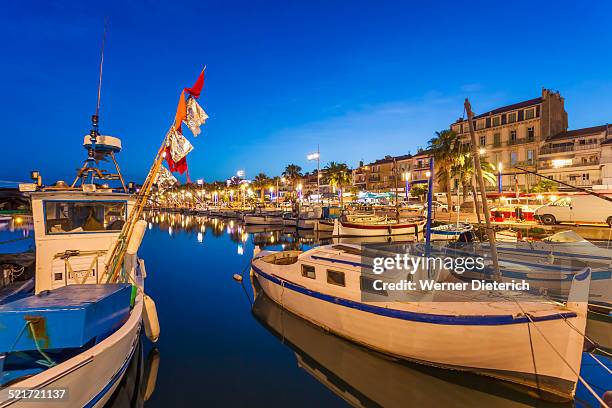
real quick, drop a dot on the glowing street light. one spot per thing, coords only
(317, 156)
(407, 180)
(499, 177)
(482, 151)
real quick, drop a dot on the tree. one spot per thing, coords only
(544, 186)
(464, 171)
(293, 173)
(418, 190)
(261, 182)
(338, 175)
(446, 150)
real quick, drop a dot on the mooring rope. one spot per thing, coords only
(582, 380)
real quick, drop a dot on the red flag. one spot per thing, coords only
(196, 89)
(181, 113)
(180, 166)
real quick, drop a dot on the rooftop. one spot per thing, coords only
(571, 134)
(512, 107)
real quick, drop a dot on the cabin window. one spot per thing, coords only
(308, 271)
(68, 217)
(367, 285)
(335, 277)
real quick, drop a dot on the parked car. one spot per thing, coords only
(577, 209)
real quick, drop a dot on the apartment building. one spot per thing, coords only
(380, 175)
(511, 136)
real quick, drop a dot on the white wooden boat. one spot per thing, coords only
(72, 249)
(378, 228)
(263, 219)
(450, 232)
(325, 225)
(492, 338)
(563, 247)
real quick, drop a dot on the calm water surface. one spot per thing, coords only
(216, 349)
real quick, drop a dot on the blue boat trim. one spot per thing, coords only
(414, 316)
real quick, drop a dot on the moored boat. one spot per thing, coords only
(413, 226)
(481, 334)
(450, 232)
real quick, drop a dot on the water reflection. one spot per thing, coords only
(139, 380)
(366, 379)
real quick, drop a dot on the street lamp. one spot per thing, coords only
(299, 190)
(499, 177)
(317, 156)
(407, 179)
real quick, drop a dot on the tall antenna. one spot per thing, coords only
(93, 134)
(101, 66)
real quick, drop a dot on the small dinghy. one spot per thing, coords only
(450, 232)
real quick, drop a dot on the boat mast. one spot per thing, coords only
(483, 191)
(395, 174)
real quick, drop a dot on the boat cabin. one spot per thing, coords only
(74, 230)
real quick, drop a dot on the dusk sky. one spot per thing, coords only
(361, 79)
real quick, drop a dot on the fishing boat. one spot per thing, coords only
(481, 333)
(262, 217)
(567, 247)
(79, 328)
(410, 226)
(450, 232)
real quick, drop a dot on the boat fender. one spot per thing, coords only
(237, 277)
(256, 251)
(137, 234)
(151, 322)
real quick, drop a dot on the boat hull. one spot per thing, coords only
(91, 377)
(350, 229)
(324, 225)
(263, 220)
(501, 351)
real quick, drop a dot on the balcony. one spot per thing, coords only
(570, 148)
(584, 183)
(525, 163)
(546, 166)
(520, 141)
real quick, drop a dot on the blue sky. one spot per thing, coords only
(361, 79)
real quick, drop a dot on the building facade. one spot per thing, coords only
(534, 135)
(392, 172)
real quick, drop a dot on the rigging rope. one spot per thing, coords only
(582, 380)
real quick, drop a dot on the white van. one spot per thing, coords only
(577, 209)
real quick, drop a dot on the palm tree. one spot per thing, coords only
(464, 171)
(339, 175)
(261, 181)
(293, 173)
(446, 149)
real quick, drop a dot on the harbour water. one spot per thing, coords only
(218, 349)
